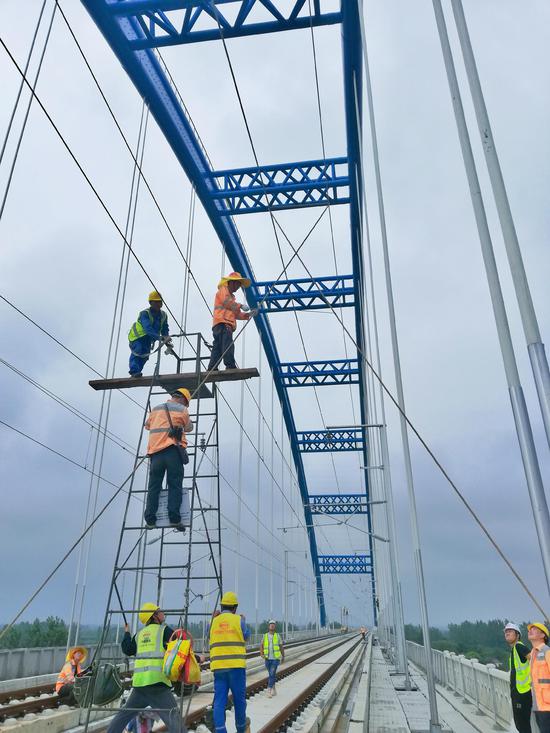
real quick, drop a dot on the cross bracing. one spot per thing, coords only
(131, 27)
(345, 564)
(326, 441)
(319, 373)
(338, 504)
(283, 186)
(174, 22)
(306, 293)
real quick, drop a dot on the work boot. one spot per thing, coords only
(274, 690)
(136, 374)
(150, 522)
(270, 692)
(247, 729)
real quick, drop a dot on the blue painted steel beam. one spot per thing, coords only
(330, 441)
(338, 504)
(319, 373)
(345, 564)
(151, 82)
(353, 97)
(163, 24)
(306, 293)
(282, 186)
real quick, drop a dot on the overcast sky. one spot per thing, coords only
(60, 257)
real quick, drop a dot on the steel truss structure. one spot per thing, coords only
(133, 28)
(308, 373)
(306, 293)
(323, 441)
(286, 186)
(338, 504)
(345, 564)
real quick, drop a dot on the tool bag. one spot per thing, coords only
(99, 685)
(178, 651)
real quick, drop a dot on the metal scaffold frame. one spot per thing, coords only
(133, 28)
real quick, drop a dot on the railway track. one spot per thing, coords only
(18, 703)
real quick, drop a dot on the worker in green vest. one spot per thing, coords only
(151, 326)
(150, 686)
(520, 678)
(272, 651)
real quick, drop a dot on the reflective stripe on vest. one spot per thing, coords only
(137, 330)
(150, 657)
(540, 679)
(227, 647)
(276, 647)
(523, 672)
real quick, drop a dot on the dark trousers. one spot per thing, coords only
(162, 702)
(140, 350)
(167, 461)
(66, 695)
(521, 708)
(224, 681)
(223, 346)
(271, 666)
(543, 721)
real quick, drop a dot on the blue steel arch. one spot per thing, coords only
(131, 27)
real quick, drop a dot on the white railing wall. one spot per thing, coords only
(482, 685)
(18, 663)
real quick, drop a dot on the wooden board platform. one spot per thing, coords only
(170, 382)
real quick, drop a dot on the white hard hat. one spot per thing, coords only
(512, 627)
(272, 621)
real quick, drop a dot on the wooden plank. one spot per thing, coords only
(169, 382)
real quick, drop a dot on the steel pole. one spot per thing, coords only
(519, 407)
(417, 552)
(535, 346)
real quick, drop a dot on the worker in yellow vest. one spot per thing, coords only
(228, 634)
(272, 651)
(520, 678)
(151, 326)
(540, 674)
(150, 686)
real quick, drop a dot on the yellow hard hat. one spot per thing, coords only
(154, 296)
(235, 277)
(540, 626)
(185, 392)
(73, 650)
(147, 610)
(230, 599)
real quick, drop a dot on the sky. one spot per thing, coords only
(60, 256)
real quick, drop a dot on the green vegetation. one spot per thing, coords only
(51, 632)
(483, 640)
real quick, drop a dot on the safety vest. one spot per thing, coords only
(276, 646)
(227, 647)
(137, 330)
(158, 425)
(540, 679)
(226, 308)
(523, 674)
(67, 675)
(150, 657)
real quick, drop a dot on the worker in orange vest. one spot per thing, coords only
(540, 674)
(72, 667)
(226, 313)
(167, 424)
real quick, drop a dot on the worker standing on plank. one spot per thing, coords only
(226, 313)
(271, 649)
(150, 686)
(71, 669)
(540, 674)
(151, 326)
(228, 634)
(520, 678)
(167, 450)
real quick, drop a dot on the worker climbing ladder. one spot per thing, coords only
(181, 572)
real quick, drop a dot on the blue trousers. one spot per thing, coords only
(234, 680)
(271, 666)
(139, 347)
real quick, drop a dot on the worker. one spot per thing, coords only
(151, 326)
(226, 313)
(72, 668)
(228, 634)
(520, 678)
(150, 686)
(167, 449)
(272, 651)
(363, 632)
(540, 674)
